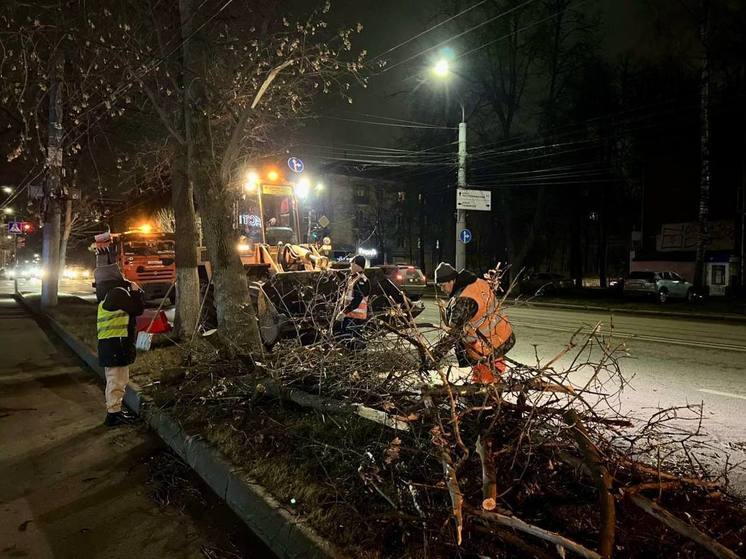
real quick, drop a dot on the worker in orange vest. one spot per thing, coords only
(354, 306)
(478, 328)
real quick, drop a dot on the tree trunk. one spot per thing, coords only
(235, 313)
(187, 280)
(52, 186)
(704, 145)
(67, 228)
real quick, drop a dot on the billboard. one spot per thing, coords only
(683, 236)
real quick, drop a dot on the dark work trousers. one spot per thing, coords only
(351, 333)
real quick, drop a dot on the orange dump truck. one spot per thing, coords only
(147, 258)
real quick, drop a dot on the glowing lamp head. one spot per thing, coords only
(252, 181)
(303, 188)
(273, 175)
(442, 68)
(146, 228)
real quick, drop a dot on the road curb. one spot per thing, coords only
(286, 535)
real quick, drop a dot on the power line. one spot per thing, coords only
(454, 37)
(530, 25)
(374, 123)
(462, 12)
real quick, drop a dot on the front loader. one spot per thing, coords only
(295, 289)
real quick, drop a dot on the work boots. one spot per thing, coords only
(123, 417)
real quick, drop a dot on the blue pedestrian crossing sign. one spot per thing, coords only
(465, 236)
(15, 227)
(296, 165)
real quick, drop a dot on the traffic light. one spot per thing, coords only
(27, 227)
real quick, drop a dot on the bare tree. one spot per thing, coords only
(231, 106)
(57, 86)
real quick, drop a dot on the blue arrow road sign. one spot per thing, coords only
(465, 236)
(296, 165)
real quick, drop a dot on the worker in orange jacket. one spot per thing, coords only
(478, 328)
(354, 305)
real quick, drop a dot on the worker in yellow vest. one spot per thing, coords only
(478, 328)
(120, 302)
(354, 306)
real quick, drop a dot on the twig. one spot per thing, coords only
(520, 525)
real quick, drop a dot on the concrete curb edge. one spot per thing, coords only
(282, 532)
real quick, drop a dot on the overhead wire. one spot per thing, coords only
(391, 124)
(458, 35)
(524, 28)
(426, 31)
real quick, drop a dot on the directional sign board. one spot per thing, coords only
(296, 165)
(15, 227)
(477, 200)
(465, 236)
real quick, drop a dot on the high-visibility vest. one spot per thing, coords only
(361, 312)
(488, 329)
(111, 324)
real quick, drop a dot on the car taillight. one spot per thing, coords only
(399, 277)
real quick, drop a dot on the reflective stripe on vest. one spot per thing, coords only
(111, 324)
(489, 328)
(361, 312)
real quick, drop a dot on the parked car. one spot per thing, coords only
(544, 283)
(409, 279)
(661, 285)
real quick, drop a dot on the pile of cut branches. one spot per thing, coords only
(422, 462)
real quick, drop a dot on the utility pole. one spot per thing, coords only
(51, 209)
(461, 214)
(704, 186)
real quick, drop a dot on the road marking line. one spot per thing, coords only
(717, 392)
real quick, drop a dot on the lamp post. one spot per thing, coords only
(441, 69)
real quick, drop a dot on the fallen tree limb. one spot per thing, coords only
(677, 525)
(489, 474)
(457, 498)
(520, 525)
(546, 410)
(306, 400)
(660, 474)
(513, 539)
(602, 480)
(653, 485)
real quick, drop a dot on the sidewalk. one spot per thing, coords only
(70, 487)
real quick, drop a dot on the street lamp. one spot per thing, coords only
(303, 188)
(8, 211)
(441, 69)
(8, 189)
